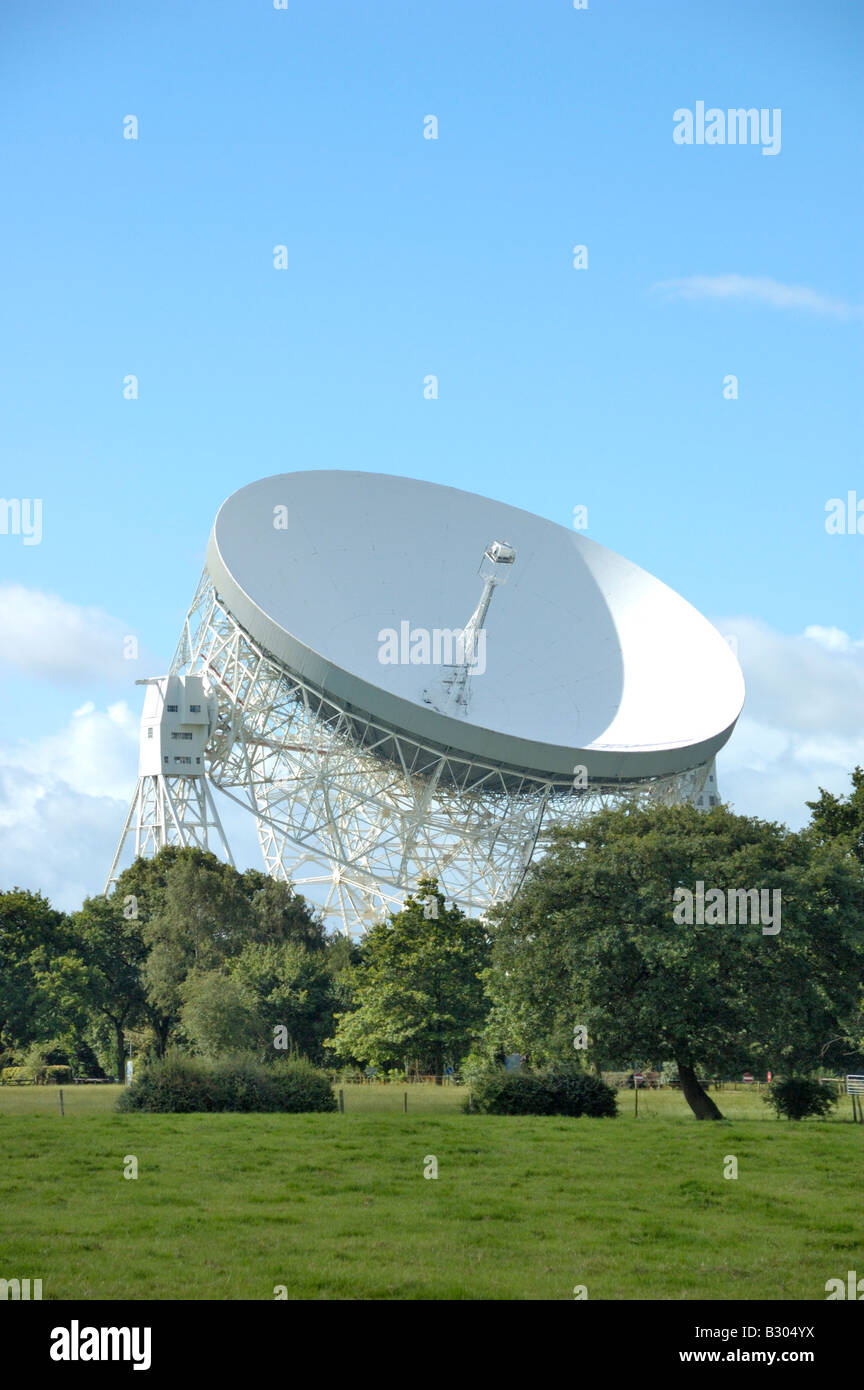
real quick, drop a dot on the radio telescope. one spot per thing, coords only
(387, 713)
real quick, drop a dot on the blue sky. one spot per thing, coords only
(407, 256)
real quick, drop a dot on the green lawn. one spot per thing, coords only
(336, 1206)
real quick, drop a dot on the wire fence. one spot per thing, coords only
(359, 1078)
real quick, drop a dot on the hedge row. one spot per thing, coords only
(563, 1092)
(9, 1075)
(45, 1076)
(181, 1084)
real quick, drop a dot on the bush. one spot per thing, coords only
(473, 1068)
(180, 1084)
(558, 1091)
(798, 1097)
(56, 1076)
(40, 1058)
(9, 1075)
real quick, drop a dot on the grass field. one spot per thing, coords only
(336, 1206)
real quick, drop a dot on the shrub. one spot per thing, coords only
(473, 1068)
(40, 1057)
(9, 1075)
(180, 1084)
(558, 1091)
(798, 1097)
(57, 1075)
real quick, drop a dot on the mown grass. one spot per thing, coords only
(336, 1206)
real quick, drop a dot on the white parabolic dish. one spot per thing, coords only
(589, 660)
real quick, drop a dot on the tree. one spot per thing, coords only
(32, 934)
(419, 997)
(280, 914)
(140, 891)
(112, 951)
(202, 918)
(220, 1014)
(294, 988)
(841, 819)
(591, 940)
(197, 915)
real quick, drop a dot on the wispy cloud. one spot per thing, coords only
(757, 291)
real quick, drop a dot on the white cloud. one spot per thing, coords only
(757, 290)
(96, 754)
(46, 636)
(832, 638)
(63, 803)
(61, 810)
(802, 724)
(54, 840)
(64, 795)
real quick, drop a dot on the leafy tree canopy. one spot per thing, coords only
(32, 935)
(419, 996)
(591, 940)
(841, 819)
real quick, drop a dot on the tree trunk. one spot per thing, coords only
(701, 1104)
(161, 1030)
(121, 1069)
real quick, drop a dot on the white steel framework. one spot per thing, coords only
(347, 806)
(171, 809)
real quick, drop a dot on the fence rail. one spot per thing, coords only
(855, 1089)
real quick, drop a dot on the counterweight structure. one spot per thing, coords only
(172, 804)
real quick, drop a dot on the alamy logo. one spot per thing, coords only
(18, 1290)
(75, 1343)
(845, 516)
(440, 646)
(737, 905)
(853, 1288)
(733, 127)
(21, 516)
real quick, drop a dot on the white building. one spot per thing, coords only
(178, 718)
